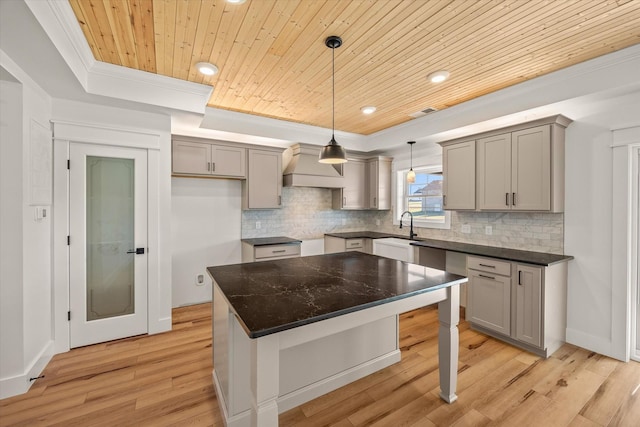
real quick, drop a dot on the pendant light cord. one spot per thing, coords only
(333, 93)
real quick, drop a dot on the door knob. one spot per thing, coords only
(137, 251)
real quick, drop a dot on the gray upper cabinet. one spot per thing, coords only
(367, 184)
(459, 175)
(353, 195)
(379, 183)
(263, 187)
(520, 168)
(208, 159)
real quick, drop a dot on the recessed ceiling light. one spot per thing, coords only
(368, 110)
(206, 68)
(438, 76)
(236, 1)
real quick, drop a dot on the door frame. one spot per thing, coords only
(158, 310)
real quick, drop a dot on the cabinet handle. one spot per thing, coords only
(487, 265)
(279, 200)
(374, 201)
(279, 252)
(208, 166)
(513, 199)
(506, 199)
(444, 200)
(519, 276)
(213, 166)
(487, 277)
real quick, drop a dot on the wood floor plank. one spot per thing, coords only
(165, 380)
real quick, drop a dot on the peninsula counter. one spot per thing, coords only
(288, 331)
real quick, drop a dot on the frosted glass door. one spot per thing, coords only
(107, 243)
(110, 237)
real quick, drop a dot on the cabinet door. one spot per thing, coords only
(353, 193)
(228, 161)
(459, 176)
(528, 304)
(191, 158)
(494, 172)
(531, 169)
(264, 180)
(379, 184)
(489, 301)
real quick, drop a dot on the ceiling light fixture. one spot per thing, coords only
(333, 152)
(206, 68)
(438, 76)
(411, 175)
(368, 110)
(236, 1)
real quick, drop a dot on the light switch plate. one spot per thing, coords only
(488, 230)
(258, 225)
(466, 228)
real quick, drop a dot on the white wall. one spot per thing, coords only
(25, 288)
(205, 231)
(597, 302)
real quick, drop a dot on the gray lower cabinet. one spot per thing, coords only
(251, 253)
(525, 305)
(338, 244)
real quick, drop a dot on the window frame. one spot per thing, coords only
(401, 186)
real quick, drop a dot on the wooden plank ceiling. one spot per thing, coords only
(273, 61)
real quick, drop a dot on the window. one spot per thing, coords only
(423, 198)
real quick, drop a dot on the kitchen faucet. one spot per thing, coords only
(411, 233)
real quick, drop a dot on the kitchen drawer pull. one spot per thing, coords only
(513, 199)
(487, 277)
(519, 277)
(208, 166)
(213, 166)
(487, 265)
(506, 199)
(279, 252)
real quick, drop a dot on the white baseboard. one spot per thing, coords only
(19, 384)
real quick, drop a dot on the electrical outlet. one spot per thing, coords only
(344, 221)
(377, 222)
(488, 230)
(258, 225)
(200, 280)
(466, 228)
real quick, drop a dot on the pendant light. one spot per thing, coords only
(333, 152)
(411, 175)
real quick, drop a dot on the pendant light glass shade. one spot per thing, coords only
(411, 175)
(333, 152)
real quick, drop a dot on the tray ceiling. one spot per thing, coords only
(273, 61)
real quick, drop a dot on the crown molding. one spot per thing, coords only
(99, 78)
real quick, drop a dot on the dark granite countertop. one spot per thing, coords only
(274, 296)
(276, 240)
(537, 258)
(530, 257)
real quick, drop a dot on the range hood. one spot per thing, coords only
(302, 169)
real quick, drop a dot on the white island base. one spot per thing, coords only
(256, 379)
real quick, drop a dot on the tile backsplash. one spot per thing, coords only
(306, 214)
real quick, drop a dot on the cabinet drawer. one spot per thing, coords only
(489, 265)
(276, 251)
(354, 244)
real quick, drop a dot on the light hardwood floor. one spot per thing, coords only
(165, 379)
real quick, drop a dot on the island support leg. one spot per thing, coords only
(448, 343)
(265, 378)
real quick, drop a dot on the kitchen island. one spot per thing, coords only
(288, 331)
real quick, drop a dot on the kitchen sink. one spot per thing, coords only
(393, 247)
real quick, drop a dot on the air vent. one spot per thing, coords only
(423, 112)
